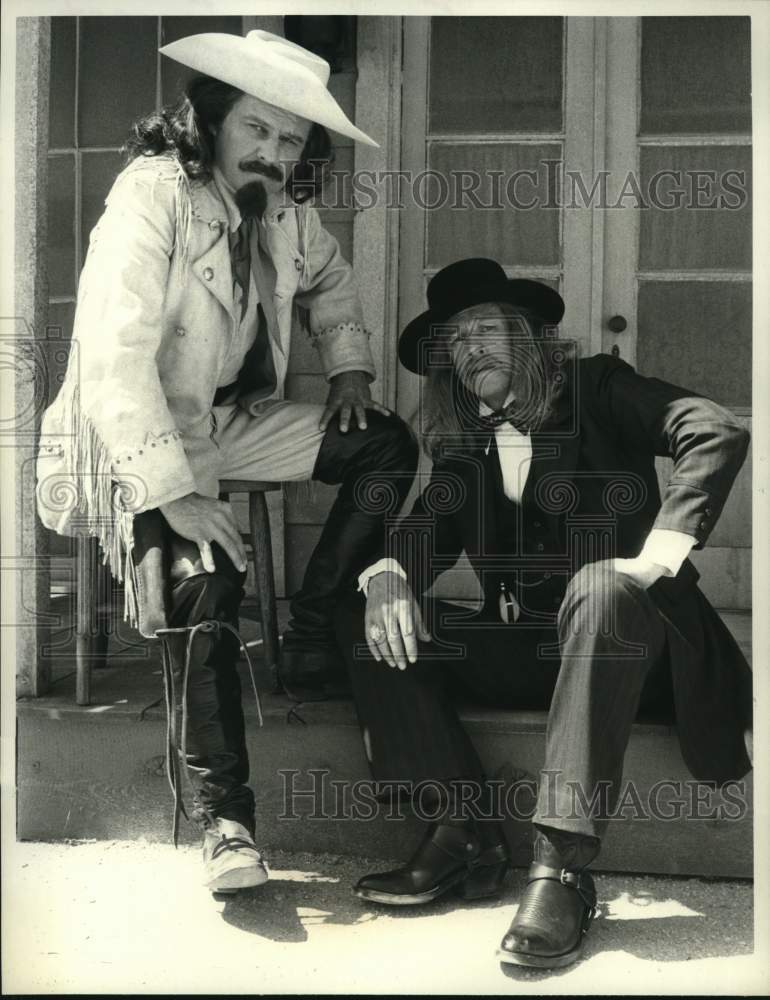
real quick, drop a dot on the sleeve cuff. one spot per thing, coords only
(667, 548)
(344, 348)
(381, 566)
(153, 473)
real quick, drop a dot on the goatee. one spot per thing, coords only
(251, 200)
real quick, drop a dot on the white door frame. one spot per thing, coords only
(375, 228)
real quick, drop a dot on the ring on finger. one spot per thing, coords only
(376, 633)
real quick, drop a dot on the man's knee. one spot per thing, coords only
(393, 439)
(197, 594)
(388, 443)
(186, 562)
(598, 597)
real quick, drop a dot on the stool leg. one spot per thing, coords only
(262, 553)
(86, 617)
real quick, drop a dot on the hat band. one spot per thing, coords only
(464, 299)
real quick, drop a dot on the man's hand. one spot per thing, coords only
(394, 616)
(204, 520)
(642, 571)
(349, 393)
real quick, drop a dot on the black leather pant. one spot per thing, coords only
(217, 758)
(376, 468)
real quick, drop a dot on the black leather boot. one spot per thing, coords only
(450, 856)
(558, 904)
(376, 468)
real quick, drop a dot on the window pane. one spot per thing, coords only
(99, 173)
(338, 189)
(174, 75)
(61, 225)
(117, 76)
(56, 345)
(511, 233)
(691, 236)
(495, 74)
(697, 334)
(342, 87)
(61, 129)
(696, 74)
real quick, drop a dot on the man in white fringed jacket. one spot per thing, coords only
(186, 305)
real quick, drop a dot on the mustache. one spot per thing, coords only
(264, 169)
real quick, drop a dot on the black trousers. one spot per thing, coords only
(366, 463)
(602, 662)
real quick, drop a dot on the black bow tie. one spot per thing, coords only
(506, 415)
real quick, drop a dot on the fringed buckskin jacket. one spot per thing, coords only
(154, 320)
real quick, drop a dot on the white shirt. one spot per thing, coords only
(662, 546)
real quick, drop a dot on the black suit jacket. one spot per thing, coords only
(592, 493)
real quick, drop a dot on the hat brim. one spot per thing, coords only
(545, 302)
(257, 70)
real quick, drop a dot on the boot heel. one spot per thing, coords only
(483, 882)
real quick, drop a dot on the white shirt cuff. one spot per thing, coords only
(381, 566)
(667, 548)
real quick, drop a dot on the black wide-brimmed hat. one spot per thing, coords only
(468, 283)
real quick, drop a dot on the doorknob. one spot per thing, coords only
(617, 324)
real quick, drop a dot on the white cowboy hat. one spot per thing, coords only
(268, 67)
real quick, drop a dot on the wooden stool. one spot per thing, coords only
(92, 579)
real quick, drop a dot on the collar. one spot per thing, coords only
(506, 429)
(485, 410)
(227, 194)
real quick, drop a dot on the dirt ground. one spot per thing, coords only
(132, 917)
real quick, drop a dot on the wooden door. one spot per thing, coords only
(677, 254)
(591, 109)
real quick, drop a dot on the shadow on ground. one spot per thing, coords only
(658, 920)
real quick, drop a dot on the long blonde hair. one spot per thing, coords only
(449, 412)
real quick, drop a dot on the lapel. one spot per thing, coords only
(551, 483)
(212, 267)
(480, 474)
(555, 452)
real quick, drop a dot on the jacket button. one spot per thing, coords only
(208, 273)
(702, 526)
(180, 331)
(707, 512)
(546, 576)
(540, 547)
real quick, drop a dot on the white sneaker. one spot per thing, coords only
(230, 858)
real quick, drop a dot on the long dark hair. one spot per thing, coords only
(186, 130)
(450, 409)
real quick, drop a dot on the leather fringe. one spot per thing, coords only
(99, 499)
(183, 222)
(171, 167)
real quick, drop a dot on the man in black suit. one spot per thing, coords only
(543, 473)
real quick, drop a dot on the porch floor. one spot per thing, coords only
(98, 771)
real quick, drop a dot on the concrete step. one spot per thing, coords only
(98, 772)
